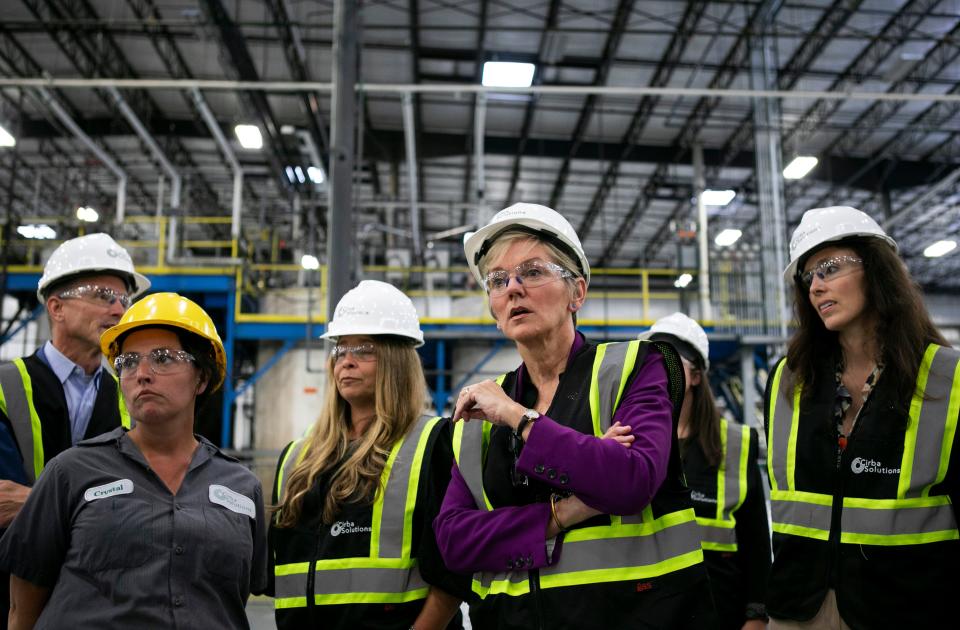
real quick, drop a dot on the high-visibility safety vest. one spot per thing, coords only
(388, 574)
(16, 402)
(631, 547)
(912, 516)
(719, 533)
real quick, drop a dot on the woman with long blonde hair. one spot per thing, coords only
(352, 518)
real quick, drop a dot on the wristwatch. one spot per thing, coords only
(530, 415)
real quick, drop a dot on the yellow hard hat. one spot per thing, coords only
(167, 309)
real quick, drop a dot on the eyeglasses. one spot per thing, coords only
(96, 294)
(364, 352)
(531, 274)
(831, 269)
(161, 361)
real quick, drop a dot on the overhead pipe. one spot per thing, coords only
(470, 88)
(95, 148)
(409, 134)
(479, 125)
(703, 282)
(134, 120)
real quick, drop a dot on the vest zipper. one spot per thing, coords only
(535, 593)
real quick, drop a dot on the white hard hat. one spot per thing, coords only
(539, 220)
(826, 225)
(685, 329)
(91, 254)
(375, 308)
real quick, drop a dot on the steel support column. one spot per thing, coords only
(340, 234)
(766, 124)
(703, 253)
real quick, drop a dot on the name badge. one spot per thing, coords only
(233, 501)
(121, 486)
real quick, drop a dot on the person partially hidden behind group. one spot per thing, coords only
(861, 433)
(720, 463)
(351, 540)
(152, 527)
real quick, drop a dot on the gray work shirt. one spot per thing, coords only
(119, 550)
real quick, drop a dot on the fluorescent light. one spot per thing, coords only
(290, 175)
(309, 262)
(88, 214)
(6, 140)
(249, 136)
(717, 197)
(727, 237)
(41, 231)
(683, 280)
(300, 176)
(939, 249)
(508, 74)
(799, 167)
(315, 173)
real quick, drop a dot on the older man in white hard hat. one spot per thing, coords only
(61, 394)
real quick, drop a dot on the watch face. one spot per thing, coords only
(531, 414)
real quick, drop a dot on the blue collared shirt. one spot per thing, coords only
(79, 388)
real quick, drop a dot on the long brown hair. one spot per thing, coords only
(401, 394)
(902, 326)
(705, 420)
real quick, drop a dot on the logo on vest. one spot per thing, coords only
(121, 486)
(347, 527)
(696, 495)
(860, 465)
(233, 501)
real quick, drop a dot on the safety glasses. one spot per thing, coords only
(831, 269)
(161, 361)
(531, 274)
(363, 352)
(95, 294)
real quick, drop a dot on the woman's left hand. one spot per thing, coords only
(487, 401)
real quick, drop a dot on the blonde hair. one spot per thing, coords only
(401, 394)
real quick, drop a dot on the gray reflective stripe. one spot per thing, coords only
(609, 377)
(902, 520)
(395, 499)
(718, 535)
(626, 552)
(732, 464)
(290, 585)
(933, 421)
(470, 461)
(373, 580)
(514, 577)
(782, 420)
(790, 513)
(18, 411)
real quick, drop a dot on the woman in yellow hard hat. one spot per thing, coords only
(152, 526)
(351, 536)
(861, 440)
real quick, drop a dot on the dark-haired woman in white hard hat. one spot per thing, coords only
(720, 464)
(153, 527)
(861, 431)
(567, 505)
(351, 536)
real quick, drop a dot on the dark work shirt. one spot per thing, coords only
(119, 550)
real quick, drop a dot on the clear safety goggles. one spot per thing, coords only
(831, 269)
(531, 274)
(161, 361)
(363, 352)
(94, 293)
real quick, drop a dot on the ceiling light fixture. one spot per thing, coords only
(727, 237)
(249, 136)
(88, 214)
(6, 139)
(41, 231)
(799, 167)
(309, 262)
(717, 197)
(683, 281)
(300, 176)
(315, 173)
(940, 248)
(508, 74)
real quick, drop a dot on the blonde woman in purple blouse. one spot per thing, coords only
(556, 526)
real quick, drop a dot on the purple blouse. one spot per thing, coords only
(602, 473)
